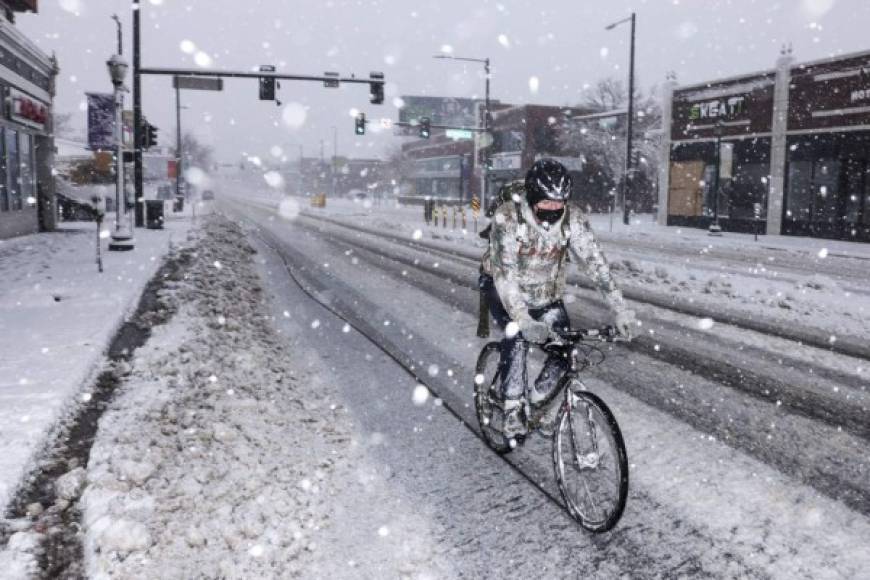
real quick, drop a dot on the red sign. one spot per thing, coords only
(27, 110)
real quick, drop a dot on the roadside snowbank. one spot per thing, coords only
(221, 457)
(57, 317)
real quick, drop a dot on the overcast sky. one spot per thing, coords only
(562, 44)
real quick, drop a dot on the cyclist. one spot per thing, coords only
(523, 277)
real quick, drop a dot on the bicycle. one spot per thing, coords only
(589, 458)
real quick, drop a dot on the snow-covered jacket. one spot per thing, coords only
(527, 260)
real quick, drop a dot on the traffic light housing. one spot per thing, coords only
(267, 84)
(376, 89)
(361, 124)
(425, 128)
(150, 136)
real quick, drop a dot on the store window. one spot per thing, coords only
(744, 168)
(828, 188)
(13, 170)
(28, 174)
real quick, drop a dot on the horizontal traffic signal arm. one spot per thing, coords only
(434, 126)
(257, 75)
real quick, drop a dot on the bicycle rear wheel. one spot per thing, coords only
(590, 461)
(488, 401)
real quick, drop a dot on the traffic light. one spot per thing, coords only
(267, 84)
(150, 136)
(376, 89)
(425, 128)
(361, 124)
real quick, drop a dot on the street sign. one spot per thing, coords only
(198, 83)
(459, 134)
(332, 82)
(386, 123)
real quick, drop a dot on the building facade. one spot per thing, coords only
(792, 145)
(449, 165)
(523, 134)
(27, 80)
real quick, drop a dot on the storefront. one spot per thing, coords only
(26, 145)
(793, 146)
(729, 122)
(827, 187)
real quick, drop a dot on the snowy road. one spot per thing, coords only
(748, 452)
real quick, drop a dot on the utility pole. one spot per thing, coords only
(628, 188)
(139, 194)
(486, 124)
(627, 178)
(178, 153)
(487, 121)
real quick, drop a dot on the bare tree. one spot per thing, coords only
(196, 153)
(601, 141)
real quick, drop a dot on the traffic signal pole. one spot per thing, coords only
(139, 194)
(375, 81)
(178, 154)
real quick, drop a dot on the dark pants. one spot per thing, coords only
(514, 350)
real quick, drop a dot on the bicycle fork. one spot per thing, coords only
(584, 460)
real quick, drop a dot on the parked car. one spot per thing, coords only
(207, 195)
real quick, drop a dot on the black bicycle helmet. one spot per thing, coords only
(547, 179)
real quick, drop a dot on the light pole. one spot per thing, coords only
(122, 234)
(627, 179)
(486, 120)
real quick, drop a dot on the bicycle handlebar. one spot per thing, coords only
(603, 334)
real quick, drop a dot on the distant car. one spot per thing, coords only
(207, 195)
(359, 195)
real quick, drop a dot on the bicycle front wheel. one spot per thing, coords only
(590, 461)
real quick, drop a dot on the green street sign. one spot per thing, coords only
(459, 134)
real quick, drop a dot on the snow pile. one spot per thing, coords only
(219, 458)
(57, 318)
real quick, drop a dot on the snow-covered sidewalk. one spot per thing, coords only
(227, 455)
(57, 318)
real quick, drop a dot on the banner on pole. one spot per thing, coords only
(101, 121)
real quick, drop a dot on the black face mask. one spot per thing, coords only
(549, 216)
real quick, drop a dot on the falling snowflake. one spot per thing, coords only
(433, 370)
(315, 323)
(294, 115)
(417, 234)
(383, 531)
(705, 323)
(421, 394)
(823, 253)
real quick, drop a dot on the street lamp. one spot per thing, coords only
(122, 235)
(486, 118)
(628, 129)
